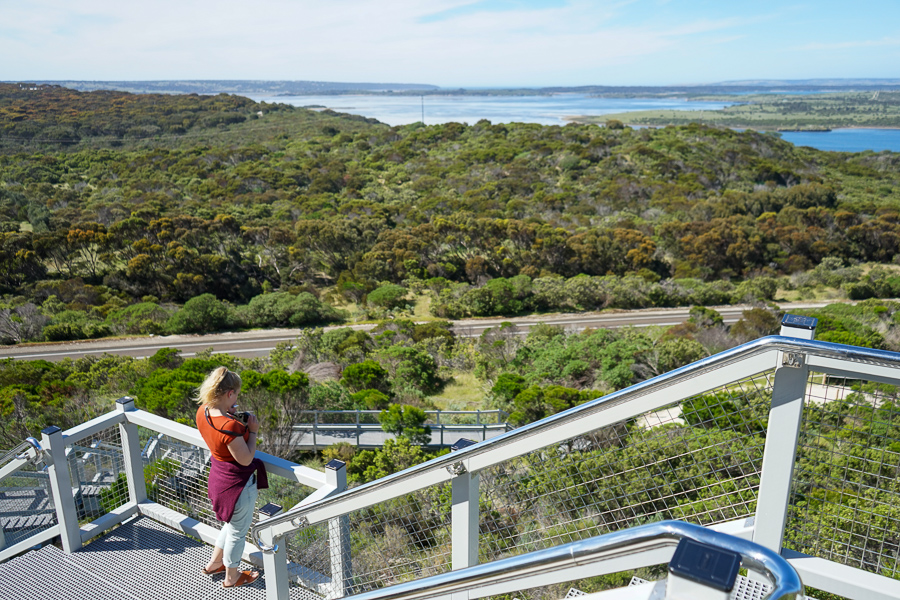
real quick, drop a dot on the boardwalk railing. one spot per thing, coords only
(27, 515)
(129, 462)
(790, 443)
(321, 428)
(793, 444)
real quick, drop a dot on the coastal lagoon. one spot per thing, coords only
(847, 140)
(553, 110)
(545, 110)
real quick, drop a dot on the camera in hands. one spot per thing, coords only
(242, 417)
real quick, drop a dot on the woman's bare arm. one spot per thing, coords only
(242, 451)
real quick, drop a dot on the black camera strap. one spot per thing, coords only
(225, 431)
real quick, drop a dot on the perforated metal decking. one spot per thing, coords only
(744, 588)
(140, 560)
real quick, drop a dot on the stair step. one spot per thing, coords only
(28, 522)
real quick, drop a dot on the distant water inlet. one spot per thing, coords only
(847, 140)
(545, 110)
(552, 110)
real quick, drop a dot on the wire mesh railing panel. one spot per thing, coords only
(26, 504)
(176, 474)
(845, 502)
(309, 555)
(698, 460)
(402, 539)
(97, 471)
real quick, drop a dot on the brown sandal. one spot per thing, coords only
(219, 569)
(244, 578)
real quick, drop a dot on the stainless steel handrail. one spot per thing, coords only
(734, 355)
(786, 583)
(30, 443)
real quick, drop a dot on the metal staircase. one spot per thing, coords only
(139, 560)
(732, 443)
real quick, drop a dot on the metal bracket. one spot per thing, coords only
(300, 522)
(456, 469)
(792, 359)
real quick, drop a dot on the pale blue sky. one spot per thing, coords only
(450, 42)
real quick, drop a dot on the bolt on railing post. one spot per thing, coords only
(61, 486)
(131, 449)
(339, 534)
(464, 514)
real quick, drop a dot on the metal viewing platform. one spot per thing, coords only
(780, 457)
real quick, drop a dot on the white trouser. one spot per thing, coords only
(234, 532)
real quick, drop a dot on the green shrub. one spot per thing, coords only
(507, 387)
(283, 309)
(406, 422)
(536, 402)
(342, 451)
(734, 411)
(366, 375)
(201, 314)
(388, 296)
(370, 400)
(115, 495)
(140, 318)
(411, 367)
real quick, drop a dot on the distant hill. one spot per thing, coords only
(303, 88)
(816, 83)
(275, 88)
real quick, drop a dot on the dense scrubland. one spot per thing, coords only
(285, 216)
(155, 214)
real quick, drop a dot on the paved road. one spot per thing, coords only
(260, 343)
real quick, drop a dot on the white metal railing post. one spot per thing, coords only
(131, 450)
(278, 581)
(61, 486)
(464, 513)
(315, 427)
(339, 534)
(782, 434)
(276, 569)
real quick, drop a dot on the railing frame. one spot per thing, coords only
(792, 358)
(488, 423)
(645, 545)
(128, 418)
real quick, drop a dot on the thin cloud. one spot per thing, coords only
(483, 43)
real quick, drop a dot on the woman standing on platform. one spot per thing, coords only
(235, 475)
